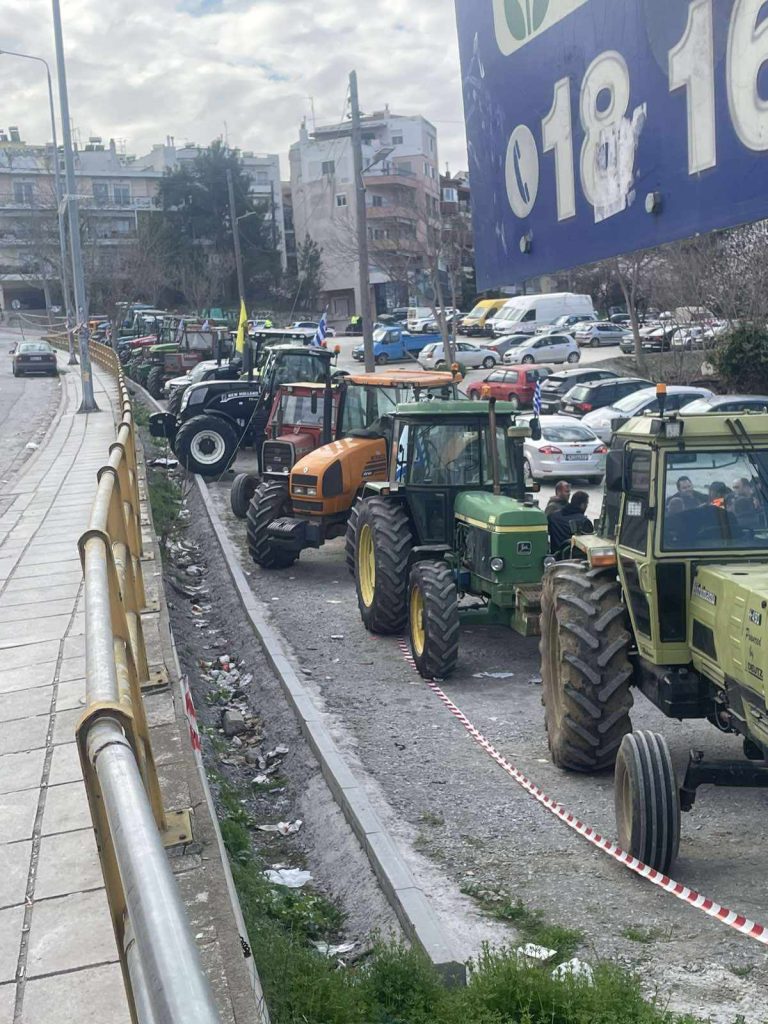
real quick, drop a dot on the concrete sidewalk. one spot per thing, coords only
(58, 959)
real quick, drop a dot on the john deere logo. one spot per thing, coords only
(519, 21)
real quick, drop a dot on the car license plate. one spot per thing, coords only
(576, 458)
(36, 359)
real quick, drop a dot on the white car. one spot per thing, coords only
(312, 325)
(567, 449)
(602, 333)
(544, 348)
(608, 419)
(469, 355)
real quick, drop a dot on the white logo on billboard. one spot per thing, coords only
(518, 21)
(522, 171)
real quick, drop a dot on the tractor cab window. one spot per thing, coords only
(292, 368)
(297, 411)
(456, 455)
(364, 406)
(715, 500)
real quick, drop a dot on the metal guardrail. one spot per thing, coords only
(164, 979)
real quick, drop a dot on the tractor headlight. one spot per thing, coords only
(549, 560)
(497, 564)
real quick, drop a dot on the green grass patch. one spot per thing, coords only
(165, 499)
(530, 923)
(647, 935)
(140, 414)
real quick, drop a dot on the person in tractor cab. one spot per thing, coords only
(718, 494)
(568, 522)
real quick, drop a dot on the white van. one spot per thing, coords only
(527, 314)
(416, 316)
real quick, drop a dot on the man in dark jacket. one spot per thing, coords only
(560, 499)
(569, 521)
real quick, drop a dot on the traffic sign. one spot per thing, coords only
(600, 127)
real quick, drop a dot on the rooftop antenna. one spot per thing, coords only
(226, 135)
(312, 108)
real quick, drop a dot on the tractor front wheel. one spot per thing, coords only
(350, 538)
(155, 382)
(382, 543)
(585, 667)
(206, 445)
(433, 619)
(647, 800)
(243, 489)
(270, 501)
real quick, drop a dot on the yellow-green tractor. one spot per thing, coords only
(452, 520)
(669, 597)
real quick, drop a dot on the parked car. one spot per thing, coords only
(607, 420)
(475, 322)
(432, 326)
(533, 313)
(620, 318)
(34, 357)
(312, 325)
(601, 333)
(513, 384)
(544, 348)
(559, 384)
(696, 336)
(586, 398)
(503, 344)
(471, 356)
(657, 339)
(566, 449)
(727, 403)
(566, 324)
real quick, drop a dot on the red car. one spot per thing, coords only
(513, 384)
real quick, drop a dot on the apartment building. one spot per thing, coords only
(400, 170)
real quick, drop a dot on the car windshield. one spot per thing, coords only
(477, 312)
(579, 393)
(631, 402)
(715, 499)
(568, 432)
(34, 346)
(381, 334)
(456, 455)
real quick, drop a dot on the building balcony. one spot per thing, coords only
(385, 176)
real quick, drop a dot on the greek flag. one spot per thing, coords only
(322, 330)
(537, 399)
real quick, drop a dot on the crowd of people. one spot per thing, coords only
(566, 516)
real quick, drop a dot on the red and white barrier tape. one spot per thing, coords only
(695, 899)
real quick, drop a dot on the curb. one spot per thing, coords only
(413, 910)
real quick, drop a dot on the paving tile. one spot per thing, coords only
(51, 553)
(74, 647)
(21, 771)
(32, 631)
(65, 765)
(17, 815)
(29, 654)
(11, 921)
(64, 726)
(39, 595)
(14, 872)
(23, 676)
(56, 579)
(23, 734)
(7, 1003)
(25, 703)
(71, 694)
(69, 932)
(72, 668)
(20, 612)
(94, 995)
(69, 862)
(66, 809)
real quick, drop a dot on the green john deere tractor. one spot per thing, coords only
(453, 520)
(670, 597)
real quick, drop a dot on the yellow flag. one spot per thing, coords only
(241, 328)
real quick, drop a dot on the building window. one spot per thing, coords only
(328, 167)
(122, 195)
(100, 192)
(397, 140)
(450, 195)
(406, 167)
(341, 201)
(22, 192)
(431, 144)
(377, 200)
(262, 178)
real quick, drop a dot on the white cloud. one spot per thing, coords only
(153, 68)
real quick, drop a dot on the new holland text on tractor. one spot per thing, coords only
(670, 598)
(452, 520)
(312, 503)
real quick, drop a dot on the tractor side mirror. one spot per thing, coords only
(614, 471)
(313, 403)
(535, 429)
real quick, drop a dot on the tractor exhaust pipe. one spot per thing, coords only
(327, 410)
(494, 445)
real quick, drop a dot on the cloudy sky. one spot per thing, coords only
(142, 70)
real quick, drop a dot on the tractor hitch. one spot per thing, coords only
(719, 773)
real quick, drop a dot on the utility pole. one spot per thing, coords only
(362, 228)
(88, 403)
(236, 235)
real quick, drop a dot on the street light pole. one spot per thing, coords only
(59, 196)
(236, 235)
(88, 403)
(362, 227)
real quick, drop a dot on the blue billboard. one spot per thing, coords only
(600, 127)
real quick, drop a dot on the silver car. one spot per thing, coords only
(567, 449)
(603, 333)
(605, 421)
(469, 355)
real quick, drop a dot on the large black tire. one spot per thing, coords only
(206, 445)
(243, 489)
(384, 538)
(269, 502)
(350, 537)
(433, 619)
(174, 402)
(155, 380)
(647, 800)
(585, 668)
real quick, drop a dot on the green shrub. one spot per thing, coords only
(742, 360)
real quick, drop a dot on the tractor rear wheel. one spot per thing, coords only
(243, 489)
(155, 382)
(647, 800)
(433, 619)
(585, 667)
(269, 502)
(206, 445)
(382, 544)
(350, 537)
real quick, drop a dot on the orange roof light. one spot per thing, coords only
(661, 389)
(485, 391)
(337, 349)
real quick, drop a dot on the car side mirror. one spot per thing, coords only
(615, 471)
